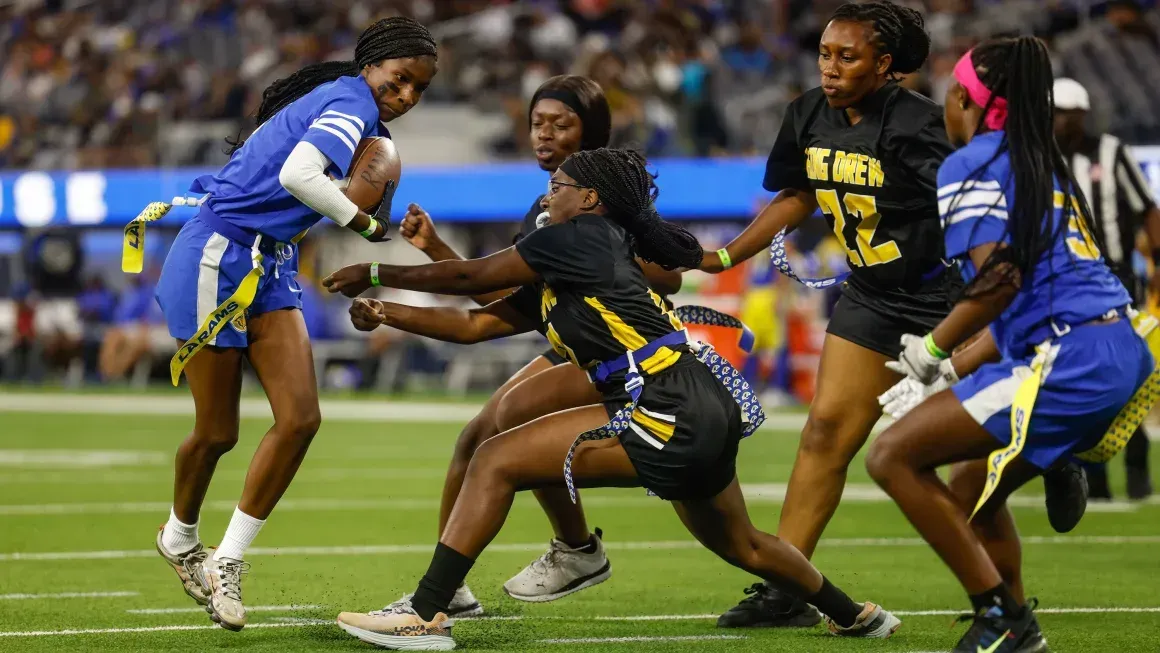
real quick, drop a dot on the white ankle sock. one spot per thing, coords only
(178, 537)
(239, 536)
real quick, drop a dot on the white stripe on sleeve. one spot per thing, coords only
(355, 119)
(341, 136)
(970, 184)
(342, 123)
(973, 212)
(994, 198)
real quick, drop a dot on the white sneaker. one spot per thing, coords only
(560, 572)
(224, 578)
(188, 568)
(463, 604)
(873, 623)
(399, 627)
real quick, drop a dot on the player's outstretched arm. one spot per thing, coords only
(419, 229)
(497, 320)
(502, 270)
(786, 210)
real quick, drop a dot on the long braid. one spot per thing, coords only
(628, 190)
(898, 31)
(1019, 69)
(397, 37)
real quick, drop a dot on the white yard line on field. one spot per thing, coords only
(249, 608)
(620, 640)
(398, 549)
(66, 595)
(294, 622)
(72, 458)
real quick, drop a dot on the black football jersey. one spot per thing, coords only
(874, 180)
(593, 302)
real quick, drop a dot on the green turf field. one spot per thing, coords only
(81, 496)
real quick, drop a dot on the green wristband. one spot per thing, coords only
(933, 349)
(375, 275)
(726, 262)
(370, 231)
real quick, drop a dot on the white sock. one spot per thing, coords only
(239, 536)
(178, 537)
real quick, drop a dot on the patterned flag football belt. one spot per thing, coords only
(781, 261)
(752, 415)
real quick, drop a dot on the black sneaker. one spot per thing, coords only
(1139, 483)
(1067, 494)
(768, 607)
(995, 632)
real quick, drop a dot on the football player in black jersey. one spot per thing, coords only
(568, 113)
(866, 152)
(677, 411)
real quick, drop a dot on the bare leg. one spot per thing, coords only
(994, 525)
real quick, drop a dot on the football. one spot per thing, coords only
(374, 173)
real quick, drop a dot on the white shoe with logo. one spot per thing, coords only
(224, 578)
(561, 571)
(398, 627)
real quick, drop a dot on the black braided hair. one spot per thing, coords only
(595, 116)
(898, 31)
(396, 37)
(627, 190)
(1019, 69)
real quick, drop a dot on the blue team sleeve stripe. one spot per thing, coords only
(341, 136)
(355, 119)
(973, 212)
(949, 190)
(971, 198)
(341, 123)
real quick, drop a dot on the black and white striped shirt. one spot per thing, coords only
(1119, 196)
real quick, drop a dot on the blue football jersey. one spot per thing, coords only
(1071, 283)
(333, 117)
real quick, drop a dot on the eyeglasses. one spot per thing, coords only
(554, 186)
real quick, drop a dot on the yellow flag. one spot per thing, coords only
(133, 250)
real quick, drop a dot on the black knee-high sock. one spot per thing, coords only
(834, 603)
(446, 573)
(999, 596)
(1136, 453)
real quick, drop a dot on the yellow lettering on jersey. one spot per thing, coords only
(876, 178)
(860, 170)
(631, 340)
(547, 303)
(816, 166)
(865, 208)
(1079, 237)
(850, 168)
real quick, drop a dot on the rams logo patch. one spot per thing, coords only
(239, 323)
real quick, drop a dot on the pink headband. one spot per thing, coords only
(965, 73)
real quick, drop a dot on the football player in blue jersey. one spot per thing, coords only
(1059, 360)
(228, 288)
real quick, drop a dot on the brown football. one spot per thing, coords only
(374, 172)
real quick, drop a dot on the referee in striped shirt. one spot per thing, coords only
(1122, 205)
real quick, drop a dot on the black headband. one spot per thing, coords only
(569, 168)
(569, 99)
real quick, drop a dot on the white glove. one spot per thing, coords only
(915, 361)
(909, 392)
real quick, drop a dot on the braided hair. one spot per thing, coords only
(397, 37)
(627, 190)
(898, 31)
(1019, 70)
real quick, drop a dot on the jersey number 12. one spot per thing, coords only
(862, 252)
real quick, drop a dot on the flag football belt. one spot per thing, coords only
(133, 255)
(751, 413)
(780, 260)
(1114, 439)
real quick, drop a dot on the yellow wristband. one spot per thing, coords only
(375, 275)
(723, 254)
(370, 231)
(933, 349)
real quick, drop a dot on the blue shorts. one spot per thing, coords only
(203, 268)
(1090, 374)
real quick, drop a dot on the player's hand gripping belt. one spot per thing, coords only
(920, 358)
(908, 393)
(752, 414)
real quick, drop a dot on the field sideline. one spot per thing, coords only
(86, 478)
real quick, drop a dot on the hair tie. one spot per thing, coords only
(996, 117)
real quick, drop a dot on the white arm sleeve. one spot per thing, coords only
(304, 176)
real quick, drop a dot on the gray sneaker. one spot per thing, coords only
(188, 568)
(224, 578)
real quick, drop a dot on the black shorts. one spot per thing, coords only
(684, 434)
(554, 358)
(876, 319)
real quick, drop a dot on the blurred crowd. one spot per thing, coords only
(90, 83)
